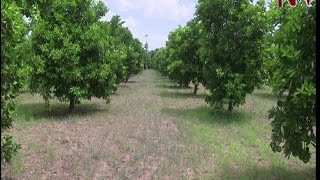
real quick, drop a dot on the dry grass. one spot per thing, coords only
(150, 130)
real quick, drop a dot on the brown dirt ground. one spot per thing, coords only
(128, 138)
(146, 132)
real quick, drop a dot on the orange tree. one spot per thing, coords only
(184, 65)
(75, 52)
(160, 60)
(132, 62)
(231, 47)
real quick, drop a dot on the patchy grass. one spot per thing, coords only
(237, 143)
(179, 95)
(152, 129)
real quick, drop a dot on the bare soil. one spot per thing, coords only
(128, 138)
(151, 129)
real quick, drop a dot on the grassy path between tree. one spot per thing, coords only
(150, 130)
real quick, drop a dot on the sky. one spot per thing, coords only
(155, 18)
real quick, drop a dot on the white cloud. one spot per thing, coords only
(154, 40)
(153, 17)
(126, 5)
(130, 22)
(174, 10)
(168, 9)
(158, 40)
(108, 16)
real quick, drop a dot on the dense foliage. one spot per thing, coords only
(72, 63)
(231, 49)
(294, 76)
(79, 56)
(133, 61)
(190, 52)
(183, 55)
(160, 60)
(177, 70)
(12, 71)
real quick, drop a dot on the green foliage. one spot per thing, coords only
(268, 53)
(177, 70)
(190, 52)
(147, 57)
(25, 53)
(74, 53)
(9, 148)
(230, 49)
(12, 71)
(132, 63)
(117, 30)
(184, 63)
(152, 58)
(160, 60)
(101, 59)
(134, 60)
(178, 73)
(269, 57)
(78, 56)
(29, 7)
(294, 73)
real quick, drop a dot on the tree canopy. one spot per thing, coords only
(294, 77)
(231, 48)
(79, 56)
(13, 30)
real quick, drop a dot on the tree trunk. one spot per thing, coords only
(195, 89)
(230, 107)
(186, 84)
(71, 105)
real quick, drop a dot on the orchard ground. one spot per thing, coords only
(152, 129)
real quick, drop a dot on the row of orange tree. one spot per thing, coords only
(233, 47)
(62, 49)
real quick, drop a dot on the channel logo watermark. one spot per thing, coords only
(293, 3)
